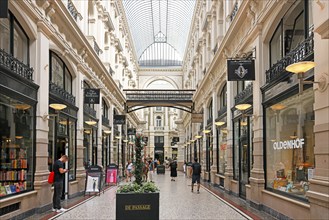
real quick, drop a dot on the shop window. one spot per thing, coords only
(16, 146)
(290, 144)
(59, 74)
(221, 149)
(17, 43)
(210, 110)
(223, 97)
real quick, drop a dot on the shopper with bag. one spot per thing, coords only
(59, 172)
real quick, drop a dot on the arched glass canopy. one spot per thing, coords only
(160, 29)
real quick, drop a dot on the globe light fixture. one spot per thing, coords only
(242, 107)
(219, 123)
(91, 122)
(57, 106)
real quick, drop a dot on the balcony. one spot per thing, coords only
(304, 51)
(222, 111)
(159, 128)
(61, 93)
(245, 95)
(209, 121)
(11, 63)
(72, 9)
(97, 49)
(234, 12)
(89, 110)
(105, 120)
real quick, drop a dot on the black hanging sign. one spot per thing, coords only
(131, 131)
(3, 8)
(240, 70)
(91, 96)
(119, 119)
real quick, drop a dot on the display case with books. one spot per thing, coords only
(13, 167)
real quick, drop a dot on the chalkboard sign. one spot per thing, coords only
(91, 96)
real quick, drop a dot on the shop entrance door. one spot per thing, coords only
(159, 154)
(62, 149)
(244, 158)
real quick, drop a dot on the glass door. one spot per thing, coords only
(244, 156)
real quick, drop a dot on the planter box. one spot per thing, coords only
(161, 169)
(137, 206)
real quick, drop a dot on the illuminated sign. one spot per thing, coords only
(289, 144)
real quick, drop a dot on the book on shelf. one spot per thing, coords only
(13, 188)
(2, 191)
(8, 191)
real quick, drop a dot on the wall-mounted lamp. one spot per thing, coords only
(188, 142)
(206, 131)
(198, 136)
(125, 140)
(57, 107)
(192, 141)
(118, 137)
(107, 131)
(21, 106)
(278, 107)
(91, 122)
(300, 68)
(219, 123)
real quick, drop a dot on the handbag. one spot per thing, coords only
(51, 177)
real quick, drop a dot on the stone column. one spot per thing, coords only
(319, 184)
(204, 146)
(99, 113)
(256, 179)
(229, 150)
(214, 134)
(81, 174)
(41, 154)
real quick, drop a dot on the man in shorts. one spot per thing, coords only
(195, 172)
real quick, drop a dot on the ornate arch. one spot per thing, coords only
(157, 78)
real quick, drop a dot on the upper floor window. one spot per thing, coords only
(158, 121)
(13, 39)
(158, 108)
(292, 30)
(241, 85)
(59, 74)
(210, 110)
(105, 109)
(223, 97)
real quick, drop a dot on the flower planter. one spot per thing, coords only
(137, 206)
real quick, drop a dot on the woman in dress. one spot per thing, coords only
(173, 170)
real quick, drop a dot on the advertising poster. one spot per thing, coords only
(92, 184)
(111, 176)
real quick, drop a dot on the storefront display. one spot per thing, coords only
(16, 146)
(290, 144)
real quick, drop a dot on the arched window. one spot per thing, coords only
(105, 109)
(158, 121)
(223, 98)
(210, 110)
(59, 73)
(13, 39)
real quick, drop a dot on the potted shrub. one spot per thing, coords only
(137, 200)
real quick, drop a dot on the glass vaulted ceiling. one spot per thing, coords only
(160, 29)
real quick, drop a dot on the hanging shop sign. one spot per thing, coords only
(289, 144)
(91, 96)
(240, 70)
(119, 119)
(197, 118)
(131, 131)
(3, 8)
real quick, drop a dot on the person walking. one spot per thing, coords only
(195, 172)
(129, 170)
(151, 170)
(173, 170)
(59, 171)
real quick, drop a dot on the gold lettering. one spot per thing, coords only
(137, 207)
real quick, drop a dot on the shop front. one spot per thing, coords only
(221, 146)
(18, 100)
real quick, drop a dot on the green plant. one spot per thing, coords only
(136, 188)
(138, 172)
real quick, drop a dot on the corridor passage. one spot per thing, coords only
(176, 202)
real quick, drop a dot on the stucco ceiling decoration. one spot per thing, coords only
(159, 25)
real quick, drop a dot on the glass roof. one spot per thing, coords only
(159, 29)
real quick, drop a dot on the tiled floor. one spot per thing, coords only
(176, 202)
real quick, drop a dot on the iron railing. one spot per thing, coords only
(303, 51)
(73, 11)
(105, 120)
(209, 121)
(89, 110)
(159, 128)
(244, 95)
(11, 63)
(61, 93)
(159, 95)
(97, 49)
(234, 12)
(221, 111)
